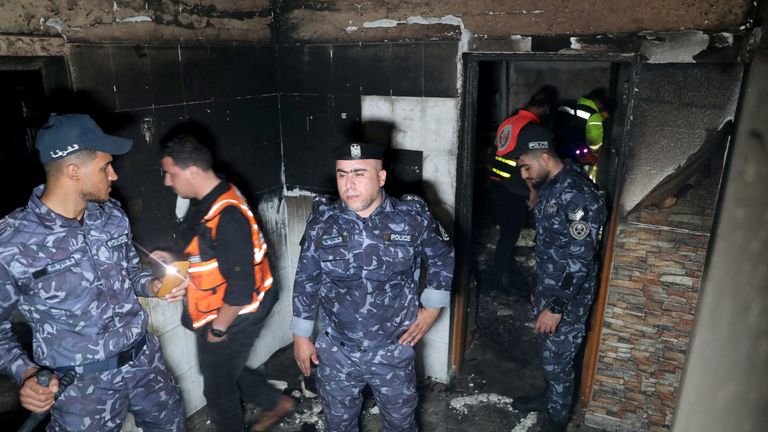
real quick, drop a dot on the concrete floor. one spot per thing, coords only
(501, 363)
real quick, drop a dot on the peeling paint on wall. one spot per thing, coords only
(678, 47)
(134, 19)
(448, 19)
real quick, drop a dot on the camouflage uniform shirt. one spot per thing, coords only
(569, 217)
(363, 273)
(75, 283)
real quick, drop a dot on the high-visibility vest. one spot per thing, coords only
(207, 286)
(504, 168)
(578, 125)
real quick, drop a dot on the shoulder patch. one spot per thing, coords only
(578, 229)
(576, 214)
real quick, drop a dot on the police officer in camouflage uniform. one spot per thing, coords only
(569, 217)
(359, 267)
(67, 261)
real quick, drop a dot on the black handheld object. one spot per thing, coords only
(44, 379)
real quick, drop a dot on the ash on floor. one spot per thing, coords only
(501, 362)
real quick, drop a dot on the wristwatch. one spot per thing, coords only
(218, 333)
(557, 305)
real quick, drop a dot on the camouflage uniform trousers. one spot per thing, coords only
(343, 373)
(100, 401)
(558, 353)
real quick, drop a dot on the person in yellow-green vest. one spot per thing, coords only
(579, 128)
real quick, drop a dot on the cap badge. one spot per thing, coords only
(354, 151)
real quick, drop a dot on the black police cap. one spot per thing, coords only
(359, 150)
(532, 137)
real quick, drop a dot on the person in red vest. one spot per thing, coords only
(510, 197)
(230, 291)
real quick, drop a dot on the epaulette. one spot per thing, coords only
(321, 201)
(414, 201)
(7, 223)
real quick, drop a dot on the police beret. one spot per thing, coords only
(532, 137)
(359, 150)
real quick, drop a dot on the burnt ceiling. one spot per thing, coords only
(289, 21)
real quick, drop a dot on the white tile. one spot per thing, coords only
(376, 108)
(432, 360)
(175, 347)
(440, 331)
(164, 315)
(191, 385)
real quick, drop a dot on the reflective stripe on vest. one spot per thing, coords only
(578, 113)
(510, 162)
(205, 294)
(501, 173)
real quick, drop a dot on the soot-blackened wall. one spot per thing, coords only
(320, 96)
(228, 89)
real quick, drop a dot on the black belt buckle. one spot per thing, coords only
(132, 353)
(124, 357)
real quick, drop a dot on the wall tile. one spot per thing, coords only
(93, 77)
(133, 85)
(197, 73)
(346, 72)
(376, 69)
(407, 69)
(165, 74)
(440, 71)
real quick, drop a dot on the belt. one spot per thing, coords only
(115, 362)
(358, 348)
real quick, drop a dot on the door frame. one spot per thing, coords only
(465, 172)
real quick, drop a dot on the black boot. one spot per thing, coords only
(529, 403)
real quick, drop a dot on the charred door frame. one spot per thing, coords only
(464, 199)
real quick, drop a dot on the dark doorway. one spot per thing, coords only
(26, 84)
(496, 312)
(22, 112)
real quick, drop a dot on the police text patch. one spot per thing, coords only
(55, 267)
(117, 241)
(330, 241)
(402, 238)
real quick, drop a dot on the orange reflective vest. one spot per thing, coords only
(205, 294)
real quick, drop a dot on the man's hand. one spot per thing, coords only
(35, 397)
(533, 197)
(420, 327)
(304, 351)
(178, 292)
(547, 322)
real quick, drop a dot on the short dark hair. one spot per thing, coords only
(538, 152)
(545, 97)
(54, 167)
(187, 151)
